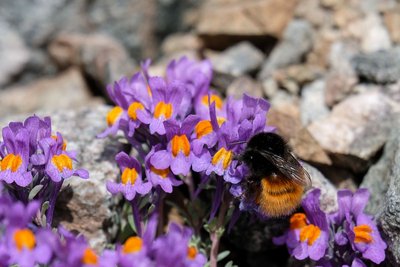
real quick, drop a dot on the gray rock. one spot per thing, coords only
(138, 24)
(312, 103)
(374, 36)
(328, 199)
(296, 42)
(378, 176)
(99, 56)
(239, 59)
(40, 22)
(342, 77)
(379, 67)
(13, 53)
(389, 215)
(179, 42)
(67, 90)
(85, 205)
(356, 129)
(244, 85)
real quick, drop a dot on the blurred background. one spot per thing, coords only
(73, 48)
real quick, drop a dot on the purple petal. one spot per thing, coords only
(360, 200)
(161, 159)
(180, 165)
(112, 187)
(84, 174)
(301, 251)
(143, 188)
(317, 250)
(157, 126)
(201, 163)
(189, 123)
(171, 129)
(23, 179)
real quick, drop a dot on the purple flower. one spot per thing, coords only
(15, 156)
(27, 249)
(17, 215)
(180, 253)
(309, 233)
(206, 132)
(58, 162)
(133, 99)
(169, 101)
(162, 177)
(131, 178)
(365, 238)
(222, 158)
(203, 103)
(196, 76)
(178, 156)
(358, 228)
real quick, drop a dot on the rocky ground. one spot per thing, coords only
(330, 68)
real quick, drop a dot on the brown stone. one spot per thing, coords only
(286, 118)
(392, 22)
(244, 85)
(339, 85)
(68, 90)
(99, 56)
(252, 17)
(181, 42)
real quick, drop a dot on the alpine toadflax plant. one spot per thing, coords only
(348, 237)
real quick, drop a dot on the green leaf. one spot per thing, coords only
(132, 223)
(223, 255)
(35, 191)
(229, 264)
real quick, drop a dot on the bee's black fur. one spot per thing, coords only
(258, 164)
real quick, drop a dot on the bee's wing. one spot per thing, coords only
(289, 166)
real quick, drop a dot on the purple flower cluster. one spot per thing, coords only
(178, 125)
(346, 237)
(25, 245)
(31, 157)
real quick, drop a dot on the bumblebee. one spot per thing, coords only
(277, 181)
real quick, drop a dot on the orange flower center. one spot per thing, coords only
(310, 233)
(24, 238)
(113, 115)
(133, 244)
(11, 162)
(160, 172)
(163, 109)
(180, 143)
(89, 257)
(129, 175)
(224, 156)
(203, 128)
(133, 108)
(362, 234)
(191, 252)
(64, 146)
(298, 221)
(214, 98)
(62, 161)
